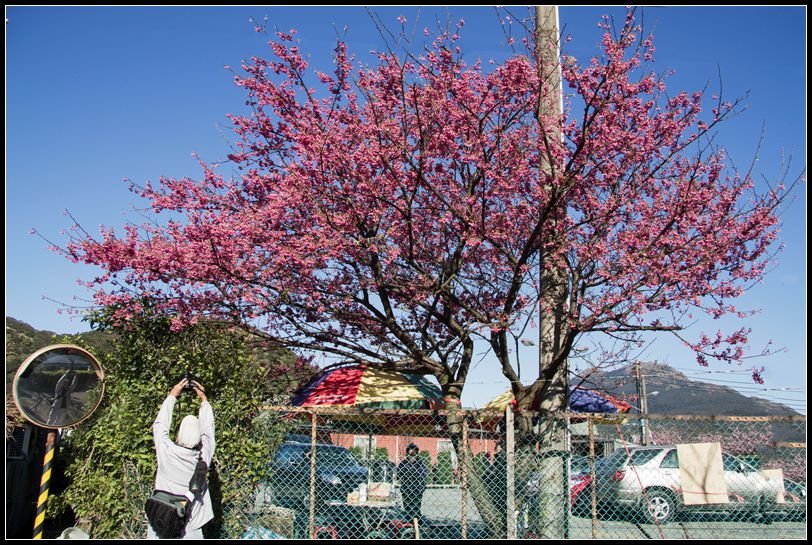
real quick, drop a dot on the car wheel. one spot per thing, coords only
(659, 506)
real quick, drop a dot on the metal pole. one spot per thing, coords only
(509, 454)
(642, 402)
(643, 405)
(311, 523)
(565, 483)
(369, 458)
(45, 483)
(592, 484)
(464, 478)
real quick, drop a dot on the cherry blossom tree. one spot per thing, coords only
(393, 214)
(397, 213)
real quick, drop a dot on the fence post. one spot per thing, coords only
(511, 489)
(565, 462)
(592, 491)
(311, 523)
(45, 483)
(464, 477)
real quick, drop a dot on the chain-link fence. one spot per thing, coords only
(364, 474)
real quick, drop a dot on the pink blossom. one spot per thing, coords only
(392, 213)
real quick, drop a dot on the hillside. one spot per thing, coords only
(672, 392)
(22, 340)
(678, 394)
(285, 371)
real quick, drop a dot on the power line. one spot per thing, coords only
(699, 371)
(768, 398)
(665, 376)
(708, 387)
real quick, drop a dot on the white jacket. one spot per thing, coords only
(176, 464)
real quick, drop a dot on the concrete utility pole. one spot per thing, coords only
(553, 509)
(552, 280)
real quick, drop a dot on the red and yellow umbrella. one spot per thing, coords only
(363, 387)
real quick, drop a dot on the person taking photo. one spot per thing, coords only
(177, 460)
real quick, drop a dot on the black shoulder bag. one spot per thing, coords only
(168, 513)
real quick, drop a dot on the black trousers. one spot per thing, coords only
(412, 500)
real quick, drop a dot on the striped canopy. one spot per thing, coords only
(362, 386)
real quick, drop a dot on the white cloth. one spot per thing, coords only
(176, 464)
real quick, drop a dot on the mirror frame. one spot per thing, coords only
(30, 359)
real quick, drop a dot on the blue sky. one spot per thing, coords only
(95, 95)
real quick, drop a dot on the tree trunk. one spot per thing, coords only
(490, 513)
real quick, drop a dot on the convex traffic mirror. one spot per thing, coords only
(58, 386)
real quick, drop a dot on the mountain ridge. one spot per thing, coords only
(676, 393)
(672, 392)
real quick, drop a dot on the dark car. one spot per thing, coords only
(337, 474)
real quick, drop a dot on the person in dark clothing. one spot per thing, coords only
(495, 480)
(412, 473)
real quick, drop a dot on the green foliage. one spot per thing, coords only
(381, 453)
(444, 473)
(480, 463)
(22, 340)
(111, 457)
(358, 453)
(429, 466)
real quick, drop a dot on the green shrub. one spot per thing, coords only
(444, 474)
(358, 453)
(111, 457)
(381, 454)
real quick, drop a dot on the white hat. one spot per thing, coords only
(189, 432)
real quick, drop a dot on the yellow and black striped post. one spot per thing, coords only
(45, 482)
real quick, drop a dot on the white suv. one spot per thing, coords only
(647, 480)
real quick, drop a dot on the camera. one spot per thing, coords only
(189, 387)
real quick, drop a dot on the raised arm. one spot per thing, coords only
(162, 423)
(206, 417)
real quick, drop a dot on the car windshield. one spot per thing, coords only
(579, 464)
(325, 455)
(335, 456)
(611, 462)
(731, 463)
(643, 456)
(618, 459)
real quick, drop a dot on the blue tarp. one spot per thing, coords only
(590, 401)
